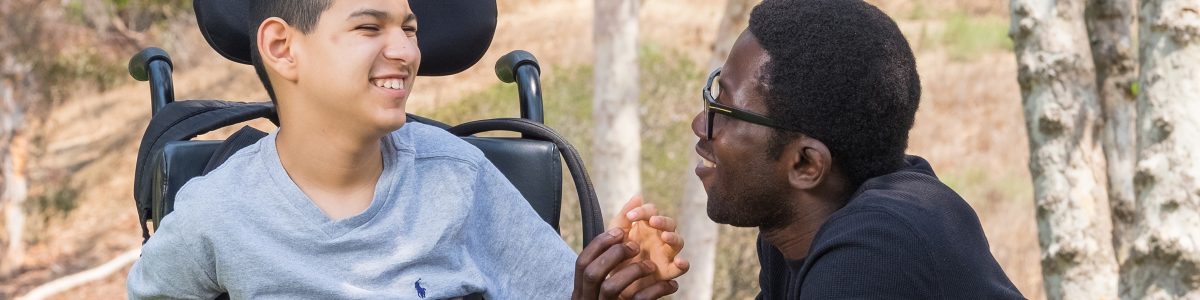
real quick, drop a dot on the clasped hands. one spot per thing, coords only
(634, 259)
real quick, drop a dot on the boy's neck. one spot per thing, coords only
(317, 159)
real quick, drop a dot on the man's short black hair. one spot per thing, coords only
(301, 14)
(840, 71)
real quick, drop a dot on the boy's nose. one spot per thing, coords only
(403, 48)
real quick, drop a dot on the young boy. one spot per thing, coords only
(345, 200)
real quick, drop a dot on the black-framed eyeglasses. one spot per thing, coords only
(711, 107)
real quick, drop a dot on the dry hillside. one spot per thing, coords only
(969, 125)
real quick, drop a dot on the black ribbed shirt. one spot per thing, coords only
(904, 235)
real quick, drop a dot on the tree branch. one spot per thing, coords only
(74, 280)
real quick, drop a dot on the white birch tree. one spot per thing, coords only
(1063, 119)
(1109, 24)
(1164, 258)
(15, 88)
(616, 144)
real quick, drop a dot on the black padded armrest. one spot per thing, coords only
(533, 166)
(177, 163)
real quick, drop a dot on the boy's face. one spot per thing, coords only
(359, 63)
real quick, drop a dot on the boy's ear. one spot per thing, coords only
(275, 43)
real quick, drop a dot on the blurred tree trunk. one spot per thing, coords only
(694, 225)
(616, 144)
(13, 84)
(1164, 258)
(1063, 119)
(13, 156)
(1109, 23)
(15, 192)
(734, 21)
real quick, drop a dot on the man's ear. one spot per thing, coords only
(809, 162)
(275, 47)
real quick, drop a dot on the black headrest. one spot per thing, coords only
(453, 34)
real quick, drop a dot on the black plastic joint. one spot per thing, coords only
(139, 65)
(506, 66)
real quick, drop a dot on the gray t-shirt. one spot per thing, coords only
(444, 223)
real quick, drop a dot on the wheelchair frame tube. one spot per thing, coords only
(154, 65)
(529, 86)
(520, 66)
(162, 89)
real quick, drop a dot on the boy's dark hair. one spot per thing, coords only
(301, 14)
(840, 71)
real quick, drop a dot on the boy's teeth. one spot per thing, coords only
(395, 84)
(708, 163)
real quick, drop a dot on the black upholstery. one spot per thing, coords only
(175, 165)
(533, 166)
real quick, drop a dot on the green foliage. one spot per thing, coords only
(57, 202)
(919, 11)
(967, 37)
(44, 208)
(982, 187)
(138, 15)
(68, 71)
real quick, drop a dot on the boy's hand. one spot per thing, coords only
(659, 244)
(656, 235)
(602, 271)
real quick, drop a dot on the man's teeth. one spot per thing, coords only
(395, 84)
(707, 163)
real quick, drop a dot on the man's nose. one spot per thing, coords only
(698, 125)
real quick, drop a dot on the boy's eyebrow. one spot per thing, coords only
(370, 12)
(379, 14)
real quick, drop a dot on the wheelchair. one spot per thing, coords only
(168, 157)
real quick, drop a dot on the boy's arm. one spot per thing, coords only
(176, 263)
(520, 256)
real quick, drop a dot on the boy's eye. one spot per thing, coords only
(367, 27)
(410, 29)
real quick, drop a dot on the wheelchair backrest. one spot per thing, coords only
(168, 158)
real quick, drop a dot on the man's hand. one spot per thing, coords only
(656, 235)
(602, 271)
(659, 243)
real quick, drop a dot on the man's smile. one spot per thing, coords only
(706, 165)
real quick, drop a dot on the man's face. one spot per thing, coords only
(737, 172)
(360, 62)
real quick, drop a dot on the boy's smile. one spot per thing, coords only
(392, 85)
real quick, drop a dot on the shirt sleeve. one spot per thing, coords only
(176, 263)
(869, 255)
(521, 256)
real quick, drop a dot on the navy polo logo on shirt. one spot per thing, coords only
(420, 290)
